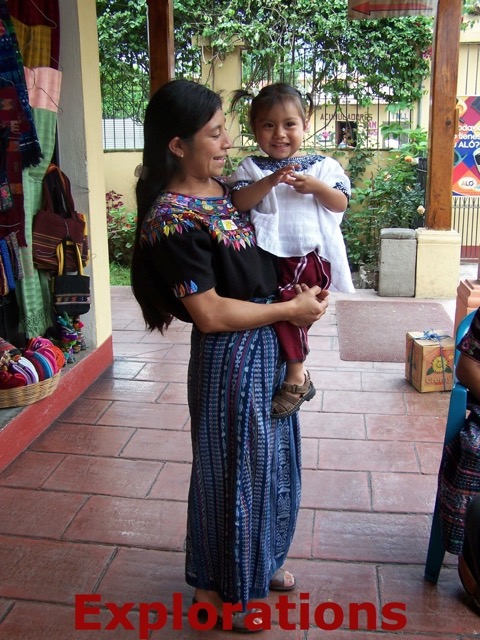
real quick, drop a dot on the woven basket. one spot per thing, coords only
(30, 393)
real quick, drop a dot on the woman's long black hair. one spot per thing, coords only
(179, 108)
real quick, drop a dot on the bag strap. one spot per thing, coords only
(62, 263)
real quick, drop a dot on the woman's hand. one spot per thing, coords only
(305, 183)
(310, 305)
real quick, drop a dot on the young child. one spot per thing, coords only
(296, 202)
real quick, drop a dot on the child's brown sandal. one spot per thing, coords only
(289, 397)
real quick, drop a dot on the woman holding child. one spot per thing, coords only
(196, 259)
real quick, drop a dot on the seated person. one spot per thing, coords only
(468, 365)
(469, 560)
(459, 475)
(468, 373)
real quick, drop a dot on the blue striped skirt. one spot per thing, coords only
(245, 485)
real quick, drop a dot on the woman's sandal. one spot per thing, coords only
(277, 583)
(289, 397)
(238, 619)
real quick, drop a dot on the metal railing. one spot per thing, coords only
(465, 217)
(465, 220)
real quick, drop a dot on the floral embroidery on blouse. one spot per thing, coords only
(176, 213)
(185, 288)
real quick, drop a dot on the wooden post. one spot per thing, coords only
(160, 42)
(443, 115)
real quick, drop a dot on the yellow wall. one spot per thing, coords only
(119, 174)
(81, 149)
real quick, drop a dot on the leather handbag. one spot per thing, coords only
(70, 291)
(58, 221)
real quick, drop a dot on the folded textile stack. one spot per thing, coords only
(40, 360)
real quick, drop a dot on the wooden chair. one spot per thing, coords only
(455, 420)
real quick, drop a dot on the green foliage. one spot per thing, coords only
(471, 7)
(359, 159)
(309, 43)
(391, 197)
(120, 230)
(384, 58)
(119, 274)
(124, 58)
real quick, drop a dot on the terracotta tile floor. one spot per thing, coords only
(97, 505)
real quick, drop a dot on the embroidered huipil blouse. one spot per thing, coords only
(195, 244)
(291, 224)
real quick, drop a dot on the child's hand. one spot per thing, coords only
(299, 288)
(284, 174)
(329, 197)
(303, 183)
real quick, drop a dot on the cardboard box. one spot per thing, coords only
(429, 360)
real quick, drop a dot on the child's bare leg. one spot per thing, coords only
(296, 389)
(295, 373)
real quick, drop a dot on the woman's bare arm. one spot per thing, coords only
(468, 373)
(212, 313)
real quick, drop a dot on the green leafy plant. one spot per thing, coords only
(391, 197)
(309, 43)
(124, 58)
(119, 275)
(471, 7)
(120, 229)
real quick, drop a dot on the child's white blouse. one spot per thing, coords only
(290, 224)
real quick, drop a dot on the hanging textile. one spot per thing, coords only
(43, 85)
(33, 291)
(13, 117)
(38, 38)
(15, 259)
(45, 13)
(34, 43)
(12, 74)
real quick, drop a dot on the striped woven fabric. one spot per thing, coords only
(459, 480)
(245, 486)
(34, 42)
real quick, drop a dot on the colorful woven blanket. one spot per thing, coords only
(12, 74)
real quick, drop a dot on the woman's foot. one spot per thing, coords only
(289, 397)
(202, 595)
(239, 618)
(282, 580)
